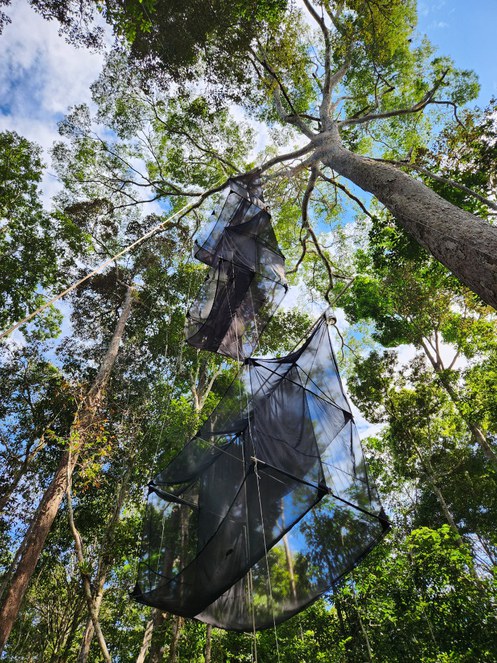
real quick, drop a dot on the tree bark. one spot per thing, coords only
(44, 517)
(201, 386)
(361, 626)
(86, 577)
(104, 564)
(7, 494)
(173, 647)
(157, 639)
(147, 639)
(464, 243)
(208, 644)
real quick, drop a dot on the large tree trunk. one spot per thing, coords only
(461, 241)
(41, 524)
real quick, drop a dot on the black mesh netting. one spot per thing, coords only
(246, 282)
(269, 504)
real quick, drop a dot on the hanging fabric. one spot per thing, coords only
(272, 493)
(246, 282)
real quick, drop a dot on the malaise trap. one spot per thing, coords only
(269, 505)
(246, 281)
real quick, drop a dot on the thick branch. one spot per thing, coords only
(291, 172)
(327, 87)
(288, 156)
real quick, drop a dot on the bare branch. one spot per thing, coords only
(294, 270)
(291, 172)
(305, 224)
(343, 188)
(339, 74)
(334, 16)
(330, 80)
(205, 150)
(416, 108)
(446, 102)
(294, 117)
(326, 90)
(288, 156)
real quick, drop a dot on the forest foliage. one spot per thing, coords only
(100, 390)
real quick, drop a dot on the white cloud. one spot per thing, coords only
(441, 25)
(41, 75)
(406, 354)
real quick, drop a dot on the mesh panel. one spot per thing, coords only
(269, 505)
(246, 282)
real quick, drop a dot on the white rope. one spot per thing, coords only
(268, 571)
(270, 588)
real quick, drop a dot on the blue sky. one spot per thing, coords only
(467, 31)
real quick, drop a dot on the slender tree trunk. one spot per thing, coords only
(430, 475)
(44, 517)
(464, 243)
(478, 435)
(341, 620)
(12, 568)
(208, 644)
(104, 564)
(173, 648)
(362, 627)
(157, 639)
(152, 640)
(85, 646)
(72, 632)
(86, 577)
(147, 639)
(6, 495)
(288, 554)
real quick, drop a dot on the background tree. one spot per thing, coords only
(33, 243)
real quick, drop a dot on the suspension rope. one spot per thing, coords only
(268, 570)
(250, 579)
